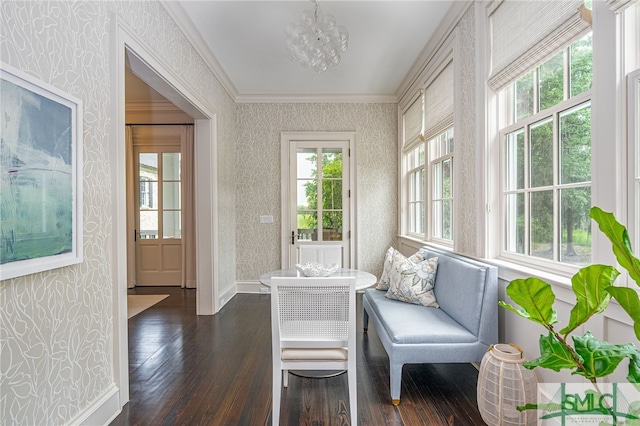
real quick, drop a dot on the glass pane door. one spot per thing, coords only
(158, 235)
(319, 194)
(159, 195)
(318, 198)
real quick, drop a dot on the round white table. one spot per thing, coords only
(363, 279)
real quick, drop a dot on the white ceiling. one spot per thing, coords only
(247, 40)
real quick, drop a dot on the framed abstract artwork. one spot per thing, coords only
(40, 176)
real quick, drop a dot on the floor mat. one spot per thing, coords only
(137, 303)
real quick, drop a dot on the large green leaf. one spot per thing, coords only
(590, 287)
(617, 234)
(628, 299)
(553, 355)
(599, 358)
(634, 370)
(536, 299)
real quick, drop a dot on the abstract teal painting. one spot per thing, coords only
(40, 190)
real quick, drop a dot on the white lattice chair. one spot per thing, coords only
(313, 326)
(327, 254)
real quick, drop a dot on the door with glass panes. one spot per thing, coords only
(319, 196)
(158, 215)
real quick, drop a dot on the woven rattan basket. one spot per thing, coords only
(504, 384)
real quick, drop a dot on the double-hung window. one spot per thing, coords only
(414, 166)
(441, 153)
(416, 190)
(440, 170)
(428, 161)
(546, 158)
(541, 71)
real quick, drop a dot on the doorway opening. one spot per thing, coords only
(160, 207)
(131, 53)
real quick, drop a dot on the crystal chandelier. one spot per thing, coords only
(316, 42)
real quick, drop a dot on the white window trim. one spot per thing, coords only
(430, 190)
(407, 186)
(633, 142)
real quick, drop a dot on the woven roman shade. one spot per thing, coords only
(438, 100)
(526, 33)
(412, 120)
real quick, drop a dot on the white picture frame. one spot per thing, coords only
(40, 176)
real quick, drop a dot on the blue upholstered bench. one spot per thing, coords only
(460, 330)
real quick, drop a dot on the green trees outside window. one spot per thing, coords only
(547, 165)
(323, 202)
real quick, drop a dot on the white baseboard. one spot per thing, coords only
(251, 287)
(102, 411)
(227, 295)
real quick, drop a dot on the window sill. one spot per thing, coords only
(417, 242)
(509, 271)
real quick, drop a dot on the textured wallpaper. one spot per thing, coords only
(258, 177)
(56, 336)
(466, 231)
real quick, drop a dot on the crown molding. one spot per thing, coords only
(336, 98)
(413, 80)
(177, 13)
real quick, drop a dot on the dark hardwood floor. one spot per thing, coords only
(216, 370)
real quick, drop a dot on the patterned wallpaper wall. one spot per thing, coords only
(466, 224)
(258, 177)
(56, 337)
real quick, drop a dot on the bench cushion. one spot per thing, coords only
(414, 324)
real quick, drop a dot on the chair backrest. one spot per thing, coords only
(313, 312)
(326, 254)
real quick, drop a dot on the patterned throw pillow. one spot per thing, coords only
(393, 261)
(414, 282)
(383, 284)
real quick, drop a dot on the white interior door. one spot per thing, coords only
(318, 202)
(158, 210)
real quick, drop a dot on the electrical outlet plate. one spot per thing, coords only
(266, 219)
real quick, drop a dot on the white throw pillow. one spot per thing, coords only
(383, 284)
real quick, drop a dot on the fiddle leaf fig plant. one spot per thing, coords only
(593, 287)
(621, 245)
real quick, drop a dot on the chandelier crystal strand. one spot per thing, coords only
(316, 42)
